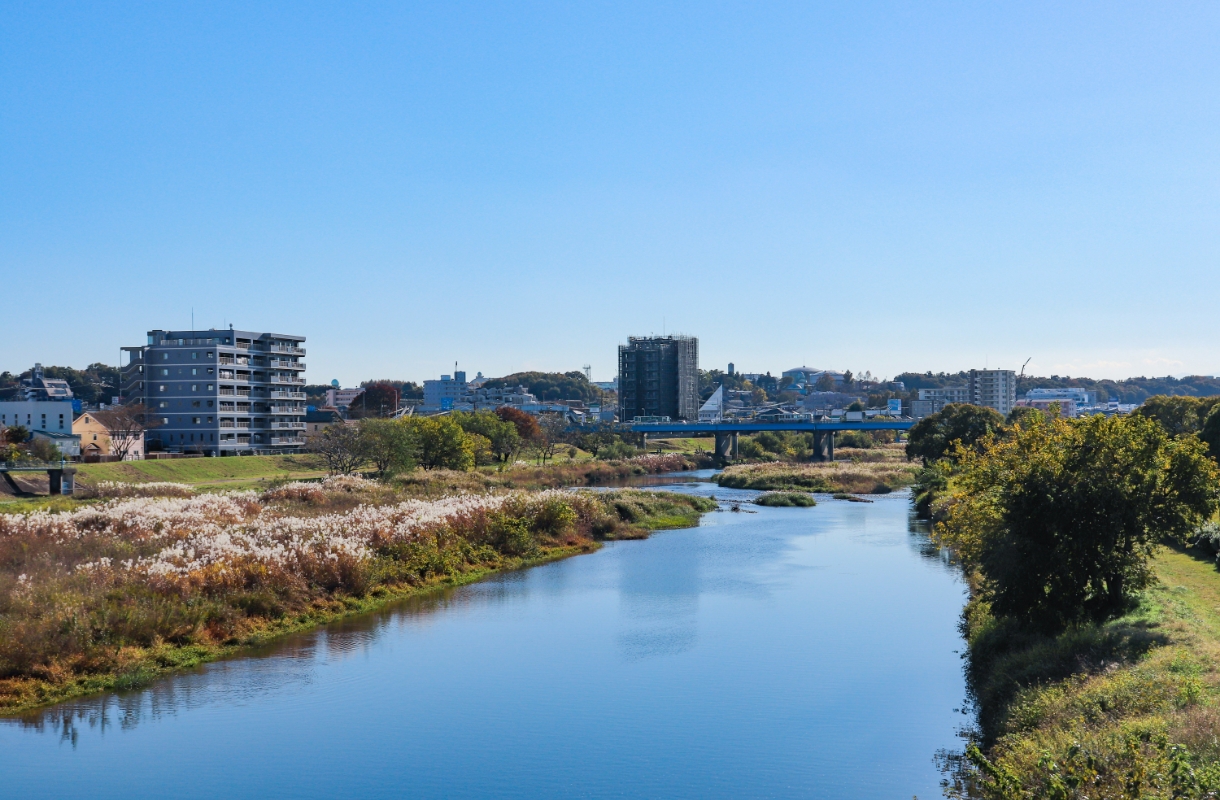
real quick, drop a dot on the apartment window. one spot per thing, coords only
(164, 420)
(163, 404)
(209, 420)
(195, 420)
(165, 356)
(164, 372)
(209, 354)
(161, 388)
(194, 370)
(194, 387)
(194, 404)
(210, 403)
(210, 370)
(195, 354)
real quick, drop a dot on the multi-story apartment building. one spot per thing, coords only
(225, 392)
(946, 394)
(658, 376)
(994, 388)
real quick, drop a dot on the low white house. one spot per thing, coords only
(54, 416)
(713, 409)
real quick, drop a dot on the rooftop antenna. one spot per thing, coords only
(588, 368)
(192, 318)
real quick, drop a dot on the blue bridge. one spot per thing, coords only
(726, 433)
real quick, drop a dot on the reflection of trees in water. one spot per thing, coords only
(921, 542)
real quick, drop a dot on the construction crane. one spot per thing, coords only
(1022, 375)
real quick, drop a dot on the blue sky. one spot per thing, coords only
(515, 186)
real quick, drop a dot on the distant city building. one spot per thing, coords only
(713, 409)
(731, 369)
(443, 394)
(1066, 406)
(343, 398)
(658, 376)
(1081, 397)
(37, 387)
(994, 388)
(321, 419)
(946, 394)
(607, 386)
(808, 377)
(220, 392)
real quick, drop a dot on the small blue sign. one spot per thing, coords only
(446, 404)
(894, 407)
(76, 405)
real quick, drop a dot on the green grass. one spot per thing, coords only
(229, 472)
(1123, 709)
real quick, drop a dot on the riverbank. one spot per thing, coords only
(1127, 708)
(113, 594)
(873, 471)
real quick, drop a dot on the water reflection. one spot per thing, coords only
(786, 653)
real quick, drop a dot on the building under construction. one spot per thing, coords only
(658, 376)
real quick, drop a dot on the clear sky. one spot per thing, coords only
(512, 186)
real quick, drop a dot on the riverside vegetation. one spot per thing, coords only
(878, 470)
(1094, 648)
(148, 578)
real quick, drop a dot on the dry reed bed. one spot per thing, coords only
(80, 589)
(860, 477)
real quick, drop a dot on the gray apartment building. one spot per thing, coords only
(658, 376)
(994, 388)
(225, 392)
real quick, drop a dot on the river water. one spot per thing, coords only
(783, 653)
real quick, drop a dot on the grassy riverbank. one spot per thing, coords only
(260, 472)
(875, 471)
(1123, 709)
(112, 594)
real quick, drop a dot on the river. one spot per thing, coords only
(787, 652)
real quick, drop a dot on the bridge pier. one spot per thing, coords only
(61, 480)
(824, 446)
(726, 446)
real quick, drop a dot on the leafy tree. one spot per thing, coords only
(601, 436)
(1062, 517)
(934, 436)
(390, 444)
(503, 440)
(1211, 433)
(1179, 416)
(16, 434)
(825, 383)
(442, 443)
(526, 424)
(1024, 415)
(550, 385)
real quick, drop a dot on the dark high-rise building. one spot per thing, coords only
(658, 376)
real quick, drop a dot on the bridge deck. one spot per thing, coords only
(711, 428)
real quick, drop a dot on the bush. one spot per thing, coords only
(778, 499)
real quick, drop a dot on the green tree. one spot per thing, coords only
(1062, 517)
(1179, 416)
(825, 383)
(390, 444)
(442, 443)
(504, 442)
(934, 436)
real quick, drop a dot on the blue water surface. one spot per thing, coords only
(780, 653)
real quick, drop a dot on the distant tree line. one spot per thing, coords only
(573, 385)
(96, 383)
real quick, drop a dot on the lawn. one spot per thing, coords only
(229, 472)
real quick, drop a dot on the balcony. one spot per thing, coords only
(283, 440)
(287, 410)
(282, 394)
(289, 349)
(279, 363)
(291, 379)
(292, 426)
